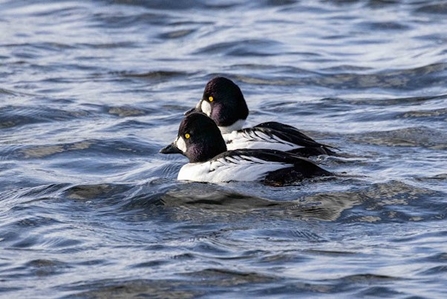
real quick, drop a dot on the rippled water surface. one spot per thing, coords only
(91, 90)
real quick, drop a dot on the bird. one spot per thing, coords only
(224, 102)
(201, 141)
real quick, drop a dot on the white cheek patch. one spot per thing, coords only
(206, 108)
(181, 144)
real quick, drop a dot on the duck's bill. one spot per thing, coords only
(171, 149)
(191, 111)
(197, 108)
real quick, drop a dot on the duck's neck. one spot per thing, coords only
(234, 127)
(207, 150)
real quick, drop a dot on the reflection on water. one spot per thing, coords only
(92, 91)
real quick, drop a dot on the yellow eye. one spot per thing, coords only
(210, 99)
(187, 136)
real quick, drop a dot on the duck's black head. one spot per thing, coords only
(199, 139)
(224, 102)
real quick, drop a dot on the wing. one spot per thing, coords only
(292, 167)
(230, 166)
(288, 133)
(243, 166)
(273, 167)
(253, 138)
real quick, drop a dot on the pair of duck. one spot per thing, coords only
(220, 150)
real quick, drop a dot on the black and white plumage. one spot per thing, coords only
(200, 140)
(224, 102)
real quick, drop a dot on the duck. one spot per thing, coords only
(201, 141)
(224, 102)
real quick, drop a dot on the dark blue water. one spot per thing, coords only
(91, 90)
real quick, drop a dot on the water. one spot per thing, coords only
(91, 90)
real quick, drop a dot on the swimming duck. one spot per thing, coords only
(201, 141)
(224, 102)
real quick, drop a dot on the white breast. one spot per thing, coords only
(229, 169)
(244, 139)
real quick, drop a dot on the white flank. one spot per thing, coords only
(239, 140)
(180, 143)
(231, 169)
